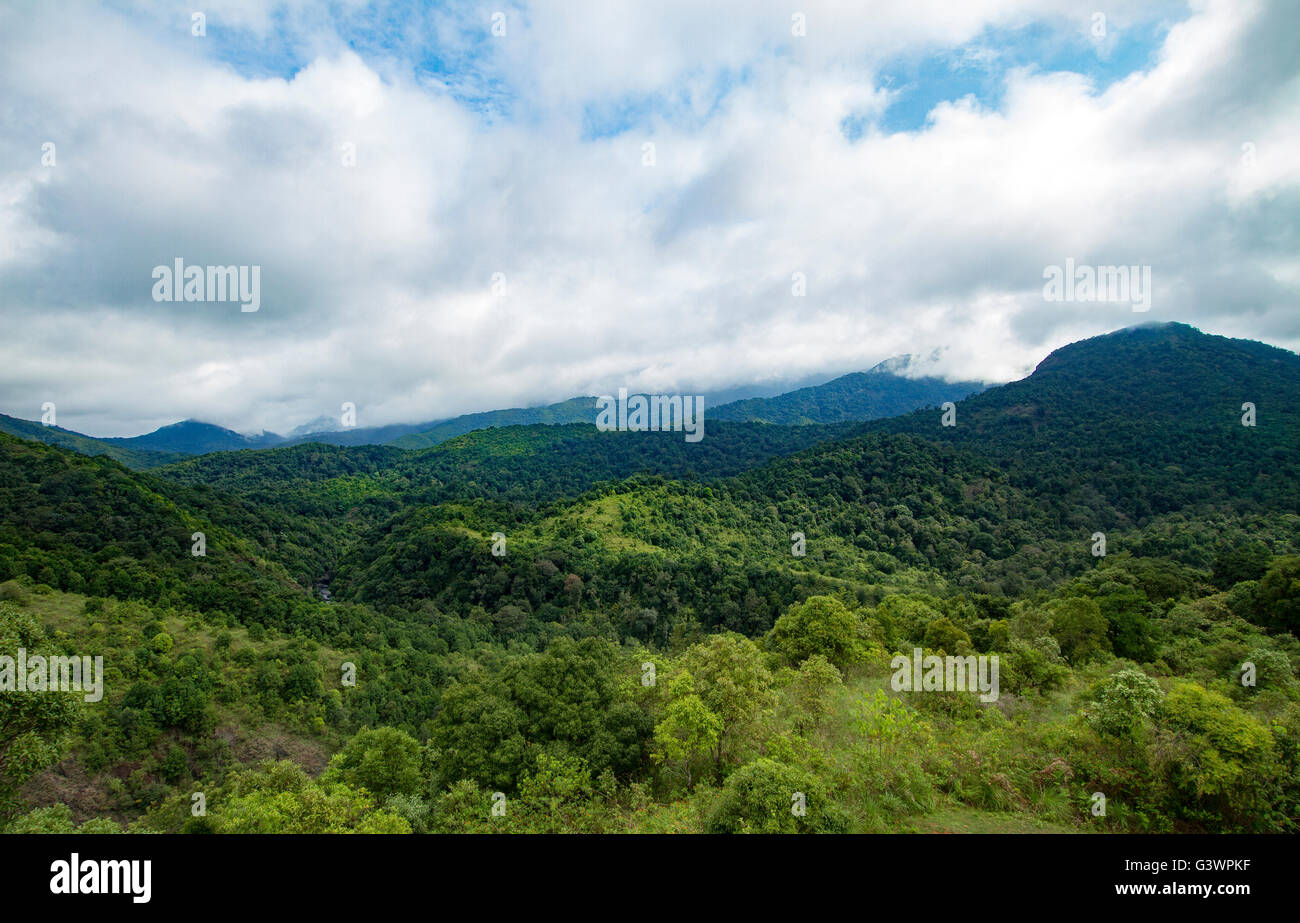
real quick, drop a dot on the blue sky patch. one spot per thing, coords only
(978, 69)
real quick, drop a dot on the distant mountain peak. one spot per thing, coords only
(322, 424)
(1147, 342)
(195, 437)
(910, 365)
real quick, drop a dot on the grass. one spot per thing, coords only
(958, 819)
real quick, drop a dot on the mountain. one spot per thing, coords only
(309, 503)
(321, 424)
(574, 410)
(1136, 433)
(357, 436)
(89, 524)
(728, 564)
(164, 445)
(86, 445)
(191, 437)
(1138, 422)
(881, 392)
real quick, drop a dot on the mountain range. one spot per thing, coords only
(1121, 528)
(883, 391)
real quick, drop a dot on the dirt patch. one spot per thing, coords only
(276, 744)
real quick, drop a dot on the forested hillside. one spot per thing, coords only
(85, 445)
(859, 396)
(627, 632)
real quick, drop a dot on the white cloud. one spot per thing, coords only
(377, 278)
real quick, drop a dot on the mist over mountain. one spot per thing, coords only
(883, 391)
(321, 424)
(880, 392)
(708, 417)
(1115, 520)
(192, 437)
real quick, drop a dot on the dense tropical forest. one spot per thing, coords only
(543, 627)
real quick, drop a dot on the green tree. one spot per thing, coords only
(1079, 627)
(1277, 600)
(732, 680)
(688, 728)
(384, 761)
(1122, 703)
(57, 818)
(770, 797)
(34, 726)
(1217, 754)
(944, 636)
(478, 734)
(558, 796)
(280, 798)
(811, 693)
(819, 625)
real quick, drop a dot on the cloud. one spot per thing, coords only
(489, 248)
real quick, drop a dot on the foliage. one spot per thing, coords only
(821, 625)
(509, 693)
(33, 724)
(769, 797)
(1123, 702)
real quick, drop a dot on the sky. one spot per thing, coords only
(465, 206)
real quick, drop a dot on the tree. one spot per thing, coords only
(688, 729)
(942, 635)
(732, 681)
(57, 818)
(819, 625)
(1217, 754)
(384, 761)
(770, 797)
(1125, 609)
(885, 722)
(1122, 703)
(280, 798)
(1079, 626)
(1277, 601)
(1247, 561)
(812, 692)
(1034, 665)
(509, 620)
(573, 589)
(904, 618)
(558, 796)
(568, 694)
(478, 735)
(33, 725)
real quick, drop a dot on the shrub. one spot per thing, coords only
(1122, 703)
(770, 797)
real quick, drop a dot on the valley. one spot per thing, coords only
(648, 653)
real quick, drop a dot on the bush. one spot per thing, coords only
(767, 797)
(384, 761)
(1122, 703)
(1028, 666)
(820, 625)
(1219, 756)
